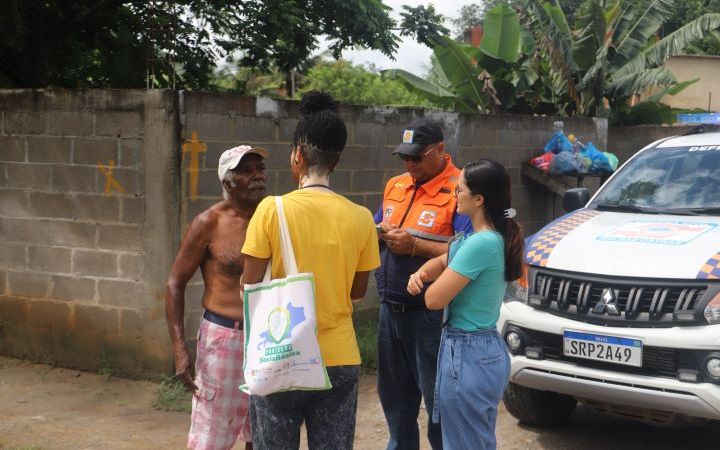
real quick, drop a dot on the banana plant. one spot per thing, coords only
(612, 55)
(499, 76)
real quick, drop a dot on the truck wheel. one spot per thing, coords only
(535, 407)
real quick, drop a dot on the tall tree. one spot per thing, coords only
(116, 43)
(469, 16)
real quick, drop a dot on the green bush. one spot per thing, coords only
(366, 332)
(357, 85)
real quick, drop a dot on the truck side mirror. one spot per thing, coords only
(575, 198)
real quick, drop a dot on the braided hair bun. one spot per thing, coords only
(315, 101)
(320, 126)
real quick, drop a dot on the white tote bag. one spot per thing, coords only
(281, 347)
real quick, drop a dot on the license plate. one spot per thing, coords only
(599, 347)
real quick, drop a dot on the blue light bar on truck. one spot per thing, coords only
(709, 118)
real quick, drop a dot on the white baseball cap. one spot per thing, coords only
(231, 158)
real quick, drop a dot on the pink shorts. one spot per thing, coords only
(220, 412)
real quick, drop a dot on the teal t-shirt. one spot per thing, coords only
(481, 258)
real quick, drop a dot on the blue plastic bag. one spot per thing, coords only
(564, 163)
(558, 143)
(612, 159)
(600, 162)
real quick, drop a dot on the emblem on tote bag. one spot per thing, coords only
(281, 322)
(278, 324)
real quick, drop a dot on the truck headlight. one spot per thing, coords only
(515, 339)
(712, 365)
(712, 310)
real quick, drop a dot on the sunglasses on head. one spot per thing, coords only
(415, 158)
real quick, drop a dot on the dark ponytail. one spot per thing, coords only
(490, 179)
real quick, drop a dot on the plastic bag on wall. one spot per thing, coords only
(565, 163)
(600, 162)
(543, 161)
(558, 143)
(612, 159)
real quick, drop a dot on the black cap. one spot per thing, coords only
(418, 135)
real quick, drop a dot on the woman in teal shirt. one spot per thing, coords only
(473, 364)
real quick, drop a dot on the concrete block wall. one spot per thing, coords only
(82, 273)
(77, 281)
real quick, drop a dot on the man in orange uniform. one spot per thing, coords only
(416, 221)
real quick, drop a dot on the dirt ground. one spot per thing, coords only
(51, 408)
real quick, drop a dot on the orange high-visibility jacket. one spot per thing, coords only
(426, 211)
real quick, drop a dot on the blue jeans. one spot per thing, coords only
(473, 372)
(408, 344)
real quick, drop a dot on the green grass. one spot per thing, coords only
(171, 395)
(105, 370)
(366, 332)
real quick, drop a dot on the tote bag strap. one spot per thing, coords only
(288, 255)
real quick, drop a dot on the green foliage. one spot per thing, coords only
(647, 112)
(283, 33)
(422, 23)
(356, 85)
(103, 44)
(366, 333)
(651, 110)
(502, 34)
(474, 14)
(687, 11)
(612, 54)
(671, 45)
(172, 395)
(469, 16)
(248, 81)
(607, 58)
(105, 370)
(460, 71)
(502, 76)
(159, 43)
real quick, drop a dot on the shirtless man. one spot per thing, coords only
(213, 242)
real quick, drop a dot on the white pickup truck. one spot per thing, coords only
(622, 306)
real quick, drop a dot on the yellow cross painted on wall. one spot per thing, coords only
(110, 181)
(194, 147)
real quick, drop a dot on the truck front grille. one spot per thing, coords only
(615, 302)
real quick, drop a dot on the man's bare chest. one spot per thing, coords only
(226, 247)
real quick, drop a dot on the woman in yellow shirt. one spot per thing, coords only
(335, 239)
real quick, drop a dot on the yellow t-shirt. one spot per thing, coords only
(332, 238)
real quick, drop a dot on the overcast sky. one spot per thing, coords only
(410, 55)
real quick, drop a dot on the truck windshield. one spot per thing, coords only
(682, 180)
